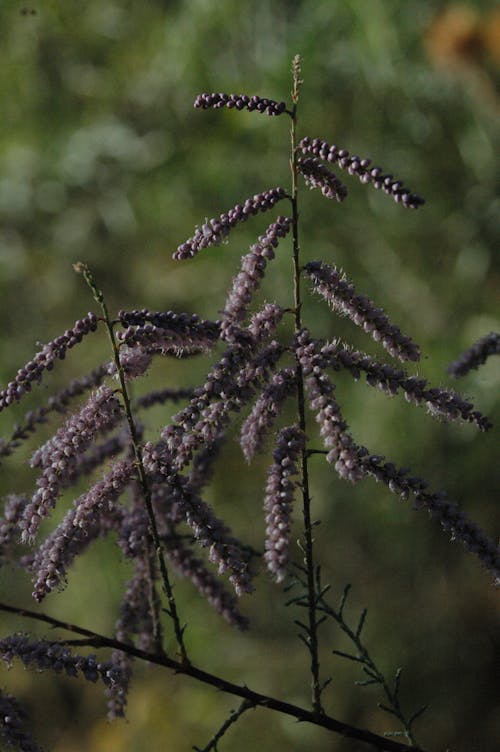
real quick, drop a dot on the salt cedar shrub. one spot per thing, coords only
(148, 499)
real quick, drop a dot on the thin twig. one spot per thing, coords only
(233, 717)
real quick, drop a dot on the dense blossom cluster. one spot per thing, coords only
(210, 532)
(207, 584)
(46, 654)
(56, 403)
(215, 230)
(340, 294)
(333, 428)
(167, 332)
(12, 725)
(81, 525)
(443, 403)
(362, 168)
(9, 524)
(44, 360)
(317, 175)
(266, 408)
(476, 355)
(240, 102)
(228, 386)
(246, 283)
(278, 501)
(59, 455)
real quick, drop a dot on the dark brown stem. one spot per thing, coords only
(253, 698)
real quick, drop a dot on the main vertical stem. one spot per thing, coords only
(306, 499)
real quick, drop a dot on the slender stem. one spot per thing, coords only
(254, 698)
(364, 658)
(153, 528)
(312, 633)
(233, 717)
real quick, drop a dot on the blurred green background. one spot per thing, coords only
(104, 160)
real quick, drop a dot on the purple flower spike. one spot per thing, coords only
(44, 360)
(252, 271)
(93, 514)
(341, 296)
(134, 361)
(43, 654)
(211, 533)
(204, 581)
(12, 719)
(333, 428)
(476, 355)
(167, 332)
(214, 231)
(117, 692)
(362, 168)
(441, 403)
(59, 456)
(278, 501)
(240, 102)
(265, 410)
(9, 524)
(447, 512)
(317, 175)
(135, 613)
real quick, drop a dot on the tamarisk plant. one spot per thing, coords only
(150, 496)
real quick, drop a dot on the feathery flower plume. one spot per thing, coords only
(240, 102)
(333, 428)
(259, 369)
(44, 360)
(117, 692)
(442, 403)
(9, 524)
(209, 531)
(167, 332)
(265, 410)
(340, 294)
(134, 362)
(264, 322)
(193, 568)
(246, 283)
(278, 501)
(215, 230)
(439, 506)
(12, 730)
(58, 456)
(476, 355)
(202, 467)
(318, 176)
(92, 515)
(362, 168)
(56, 656)
(135, 614)
(224, 390)
(57, 403)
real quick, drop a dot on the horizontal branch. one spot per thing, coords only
(255, 698)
